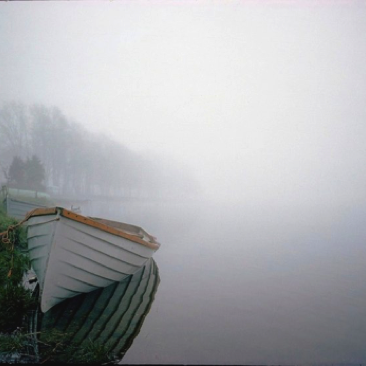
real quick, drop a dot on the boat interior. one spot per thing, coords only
(127, 228)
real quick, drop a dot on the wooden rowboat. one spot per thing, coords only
(73, 254)
(18, 202)
(18, 208)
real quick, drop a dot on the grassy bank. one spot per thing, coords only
(15, 300)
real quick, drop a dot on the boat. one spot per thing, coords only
(73, 254)
(18, 202)
(112, 316)
(18, 208)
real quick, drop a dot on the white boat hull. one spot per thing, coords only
(70, 257)
(17, 208)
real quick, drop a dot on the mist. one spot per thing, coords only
(234, 132)
(263, 101)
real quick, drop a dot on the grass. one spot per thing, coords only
(54, 347)
(11, 344)
(15, 300)
(93, 352)
(61, 350)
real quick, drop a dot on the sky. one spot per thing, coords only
(262, 100)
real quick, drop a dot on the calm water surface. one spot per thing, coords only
(260, 285)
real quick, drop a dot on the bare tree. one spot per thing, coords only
(14, 138)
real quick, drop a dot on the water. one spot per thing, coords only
(266, 284)
(239, 284)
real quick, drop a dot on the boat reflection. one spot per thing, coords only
(101, 324)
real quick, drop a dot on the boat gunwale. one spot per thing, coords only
(10, 198)
(90, 222)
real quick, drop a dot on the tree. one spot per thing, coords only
(14, 128)
(16, 173)
(34, 174)
(14, 138)
(26, 175)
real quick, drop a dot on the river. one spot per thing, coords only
(233, 284)
(267, 284)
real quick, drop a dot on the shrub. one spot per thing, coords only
(15, 300)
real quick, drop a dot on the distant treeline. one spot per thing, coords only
(78, 162)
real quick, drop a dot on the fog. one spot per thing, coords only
(263, 101)
(253, 114)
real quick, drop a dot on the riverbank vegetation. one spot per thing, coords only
(15, 300)
(52, 347)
